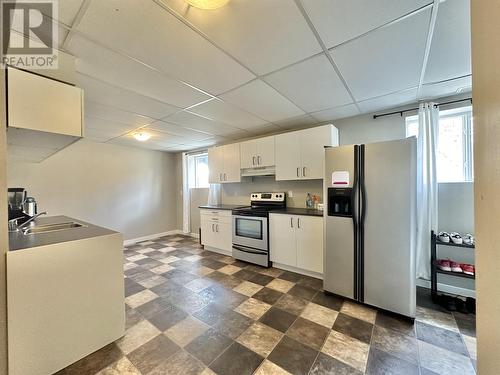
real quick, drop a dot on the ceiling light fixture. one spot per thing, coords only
(142, 136)
(207, 4)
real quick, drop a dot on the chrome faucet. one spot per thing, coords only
(14, 226)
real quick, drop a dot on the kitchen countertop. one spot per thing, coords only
(19, 241)
(221, 207)
(297, 211)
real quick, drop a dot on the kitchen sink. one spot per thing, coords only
(47, 228)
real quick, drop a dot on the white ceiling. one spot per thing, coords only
(195, 78)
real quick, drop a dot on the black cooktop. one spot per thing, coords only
(258, 211)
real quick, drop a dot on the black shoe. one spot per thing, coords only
(460, 305)
(448, 303)
(470, 305)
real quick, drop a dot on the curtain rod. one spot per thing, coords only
(415, 109)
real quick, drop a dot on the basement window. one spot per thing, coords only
(455, 144)
(198, 170)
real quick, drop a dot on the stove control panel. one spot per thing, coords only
(268, 197)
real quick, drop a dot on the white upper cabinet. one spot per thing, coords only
(231, 163)
(300, 154)
(224, 164)
(288, 160)
(44, 115)
(43, 104)
(215, 164)
(257, 153)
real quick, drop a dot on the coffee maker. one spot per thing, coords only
(16, 198)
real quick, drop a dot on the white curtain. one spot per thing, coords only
(427, 187)
(185, 195)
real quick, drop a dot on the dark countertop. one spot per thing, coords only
(19, 241)
(221, 207)
(298, 211)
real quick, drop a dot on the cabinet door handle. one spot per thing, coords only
(213, 230)
(225, 177)
(291, 222)
(253, 160)
(298, 171)
(303, 171)
(217, 228)
(258, 160)
(298, 222)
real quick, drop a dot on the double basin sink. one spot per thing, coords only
(48, 228)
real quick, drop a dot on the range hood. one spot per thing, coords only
(259, 171)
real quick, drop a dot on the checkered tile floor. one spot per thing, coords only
(191, 311)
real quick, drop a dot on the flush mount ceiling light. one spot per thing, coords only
(207, 4)
(142, 136)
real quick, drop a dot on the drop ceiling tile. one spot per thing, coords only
(450, 54)
(187, 134)
(146, 31)
(313, 84)
(296, 122)
(264, 35)
(388, 101)
(113, 127)
(386, 60)
(220, 111)
(446, 88)
(262, 100)
(336, 113)
(67, 11)
(106, 112)
(113, 96)
(102, 63)
(180, 148)
(265, 129)
(196, 122)
(17, 33)
(131, 142)
(339, 20)
(98, 135)
(158, 141)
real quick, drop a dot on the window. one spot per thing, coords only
(198, 171)
(454, 151)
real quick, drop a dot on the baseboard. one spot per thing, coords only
(298, 270)
(219, 251)
(151, 237)
(448, 288)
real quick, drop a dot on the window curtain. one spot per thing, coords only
(185, 195)
(427, 187)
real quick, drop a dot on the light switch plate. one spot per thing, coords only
(290, 194)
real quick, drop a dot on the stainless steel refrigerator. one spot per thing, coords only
(370, 224)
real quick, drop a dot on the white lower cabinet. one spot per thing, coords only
(216, 230)
(297, 241)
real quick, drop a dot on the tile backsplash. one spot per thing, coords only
(239, 193)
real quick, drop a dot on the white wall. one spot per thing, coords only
(126, 189)
(197, 197)
(240, 193)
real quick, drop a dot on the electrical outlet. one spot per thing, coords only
(290, 194)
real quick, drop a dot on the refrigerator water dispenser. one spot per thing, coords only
(340, 202)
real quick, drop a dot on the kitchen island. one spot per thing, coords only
(65, 295)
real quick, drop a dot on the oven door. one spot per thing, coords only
(250, 231)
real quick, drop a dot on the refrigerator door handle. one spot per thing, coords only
(355, 222)
(361, 230)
